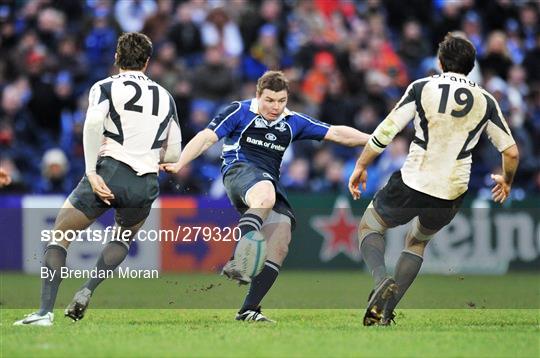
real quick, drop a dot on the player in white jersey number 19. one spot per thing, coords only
(450, 112)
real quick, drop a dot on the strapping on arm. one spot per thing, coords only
(383, 135)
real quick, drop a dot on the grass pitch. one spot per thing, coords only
(440, 318)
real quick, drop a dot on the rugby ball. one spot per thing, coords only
(250, 254)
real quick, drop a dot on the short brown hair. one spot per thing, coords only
(274, 81)
(133, 50)
(457, 54)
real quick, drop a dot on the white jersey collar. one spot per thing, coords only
(133, 72)
(254, 107)
(454, 74)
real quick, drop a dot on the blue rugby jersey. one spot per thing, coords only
(252, 139)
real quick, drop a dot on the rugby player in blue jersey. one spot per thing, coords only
(257, 132)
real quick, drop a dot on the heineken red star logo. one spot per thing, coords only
(340, 231)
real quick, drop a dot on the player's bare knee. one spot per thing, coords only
(413, 243)
(369, 224)
(419, 235)
(268, 201)
(61, 242)
(261, 195)
(264, 201)
(128, 232)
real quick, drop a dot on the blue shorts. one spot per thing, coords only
(240, 177)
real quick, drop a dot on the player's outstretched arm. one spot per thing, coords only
(503, 183)
(5, 179)
(347, 136)
(198, 145)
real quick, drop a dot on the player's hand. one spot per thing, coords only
(5, 179)
(170, 167)
(100, 188)
(358, 177)
(501, 190)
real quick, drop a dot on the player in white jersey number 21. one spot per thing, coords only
(450, 112)
(131, 127)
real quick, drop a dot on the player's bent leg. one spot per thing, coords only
(277, 230)
(372, 246)
(408, 265)
(261, 195)
(260, 199)
(112, 255)
(371, 242)
(71, 218)
(418, 237)
(68, 218)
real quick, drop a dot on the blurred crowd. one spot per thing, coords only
(348, 62)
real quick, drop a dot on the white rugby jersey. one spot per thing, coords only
(450, 113)
(139, 114)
